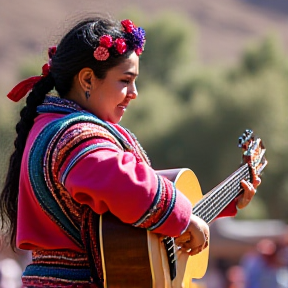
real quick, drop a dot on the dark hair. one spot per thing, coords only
(74, 52)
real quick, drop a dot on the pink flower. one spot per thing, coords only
(120, 45)
(101, 53)
(128, 25)
(106, 41)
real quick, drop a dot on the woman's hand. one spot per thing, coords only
(196, 236)
(249, 190)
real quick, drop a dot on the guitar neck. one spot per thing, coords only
(211, 205)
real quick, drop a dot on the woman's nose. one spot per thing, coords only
(133, 93)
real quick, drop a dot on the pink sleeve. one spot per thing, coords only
(114, 180)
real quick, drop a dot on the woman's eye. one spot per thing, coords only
(125, 81)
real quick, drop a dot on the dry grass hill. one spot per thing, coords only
(224, 26)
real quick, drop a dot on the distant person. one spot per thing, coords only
(262, 267)
(74, 162)
(236, 277)
(214, 277)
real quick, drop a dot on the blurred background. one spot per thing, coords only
(210, 70)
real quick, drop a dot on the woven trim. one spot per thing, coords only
(161, 208)
(41, 183)
(80, 155)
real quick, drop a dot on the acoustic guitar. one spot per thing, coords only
(135, 257)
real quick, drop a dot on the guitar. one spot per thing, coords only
(135, 257)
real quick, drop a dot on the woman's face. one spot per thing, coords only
(110, 97)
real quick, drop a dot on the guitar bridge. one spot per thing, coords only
(169, 245)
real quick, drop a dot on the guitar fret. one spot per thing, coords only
(145, 267)
(217, 209)
(223, 189)
(225, 199)
(218, 204)
(219, 197)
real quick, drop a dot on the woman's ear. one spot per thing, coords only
(84, 77)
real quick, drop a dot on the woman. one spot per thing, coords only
(74, 162)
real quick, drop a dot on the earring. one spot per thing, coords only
(87, 94)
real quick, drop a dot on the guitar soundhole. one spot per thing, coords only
(169, 245)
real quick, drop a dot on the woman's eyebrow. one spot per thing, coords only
(131, 74)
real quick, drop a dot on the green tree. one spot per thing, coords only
(197, 123)
(190, 115)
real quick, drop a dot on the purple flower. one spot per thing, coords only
(138, 37)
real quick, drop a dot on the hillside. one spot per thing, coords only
(224, 27)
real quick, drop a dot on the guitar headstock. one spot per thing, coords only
(253, 151)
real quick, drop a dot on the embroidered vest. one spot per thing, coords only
(61, 144)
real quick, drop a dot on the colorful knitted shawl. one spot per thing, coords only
(61, 144)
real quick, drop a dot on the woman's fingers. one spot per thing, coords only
(196, 236)
(246, 197)
(199, 248)
(249, 190)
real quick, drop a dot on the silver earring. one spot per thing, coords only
(87, 94)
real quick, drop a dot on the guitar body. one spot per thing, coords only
(134, 257)
(194, 266)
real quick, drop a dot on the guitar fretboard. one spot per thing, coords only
(211, 205)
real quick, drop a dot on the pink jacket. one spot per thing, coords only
(106, 179)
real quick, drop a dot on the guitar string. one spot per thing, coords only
(215, 192)
(217, 204)
(208, 217)
(221, 196)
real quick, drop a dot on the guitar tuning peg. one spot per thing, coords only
(248, 132)
(246, 136)
(240, 142)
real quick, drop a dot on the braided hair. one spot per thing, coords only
(74, 52)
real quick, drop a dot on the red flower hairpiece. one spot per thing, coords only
(101, 53)
(135, 40)
(128, 25)
(120, 45)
